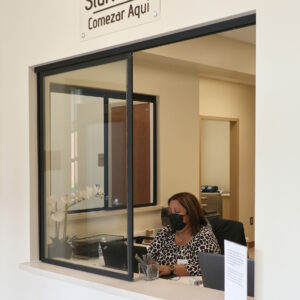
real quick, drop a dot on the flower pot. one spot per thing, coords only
(59, 248)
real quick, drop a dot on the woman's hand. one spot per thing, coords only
(179, 270)
(164, 270)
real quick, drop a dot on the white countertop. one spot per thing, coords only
(157, 289)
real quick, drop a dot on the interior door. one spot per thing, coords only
(141, 153)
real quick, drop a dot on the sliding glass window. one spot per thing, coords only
(85, 147)
(90, 127)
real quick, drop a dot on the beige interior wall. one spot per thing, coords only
(177, 125)
(215, 153)
(106, 76)
(231, 100)
(213, 56)
(177, 149)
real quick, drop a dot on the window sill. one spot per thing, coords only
(109, 213)
(157, 289)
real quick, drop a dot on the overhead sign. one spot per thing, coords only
(100, 17)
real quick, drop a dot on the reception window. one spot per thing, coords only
(119, 135)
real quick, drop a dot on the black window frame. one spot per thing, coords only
(117, 53)
(41, 74)
(106, 94)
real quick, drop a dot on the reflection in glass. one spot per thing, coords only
(76, 152)
(97, 130)
(85, 165)
(77, 147)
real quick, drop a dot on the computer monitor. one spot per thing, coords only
(87, 247)
(212, 269)
(115, 254)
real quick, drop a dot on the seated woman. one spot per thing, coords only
(177, 245)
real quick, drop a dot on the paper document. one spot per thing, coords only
(235, 271)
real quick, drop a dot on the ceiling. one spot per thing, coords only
(246, 34)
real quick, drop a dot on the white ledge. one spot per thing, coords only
(226, 195)
(109, 213)
(152, 290)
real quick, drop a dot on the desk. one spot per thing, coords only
(213, 202)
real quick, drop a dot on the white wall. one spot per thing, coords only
(277, 150)
(35, 32)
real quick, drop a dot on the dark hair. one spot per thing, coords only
(193, 210)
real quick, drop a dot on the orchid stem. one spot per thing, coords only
(65, 223)
(56, 225)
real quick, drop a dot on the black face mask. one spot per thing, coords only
(176, 222)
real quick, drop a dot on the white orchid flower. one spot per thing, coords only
(76, 195)
(90, 193)
(58, 216)
(98, 191)
(82, 194)
(66, 200)
(52, 202)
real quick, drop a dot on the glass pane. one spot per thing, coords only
(78, 191)
(77, 147)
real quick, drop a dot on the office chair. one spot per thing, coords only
(165, 220)
(212, 269)
(228, 230)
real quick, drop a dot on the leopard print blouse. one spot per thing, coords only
(164, 250)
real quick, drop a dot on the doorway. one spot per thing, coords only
(222, 135)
